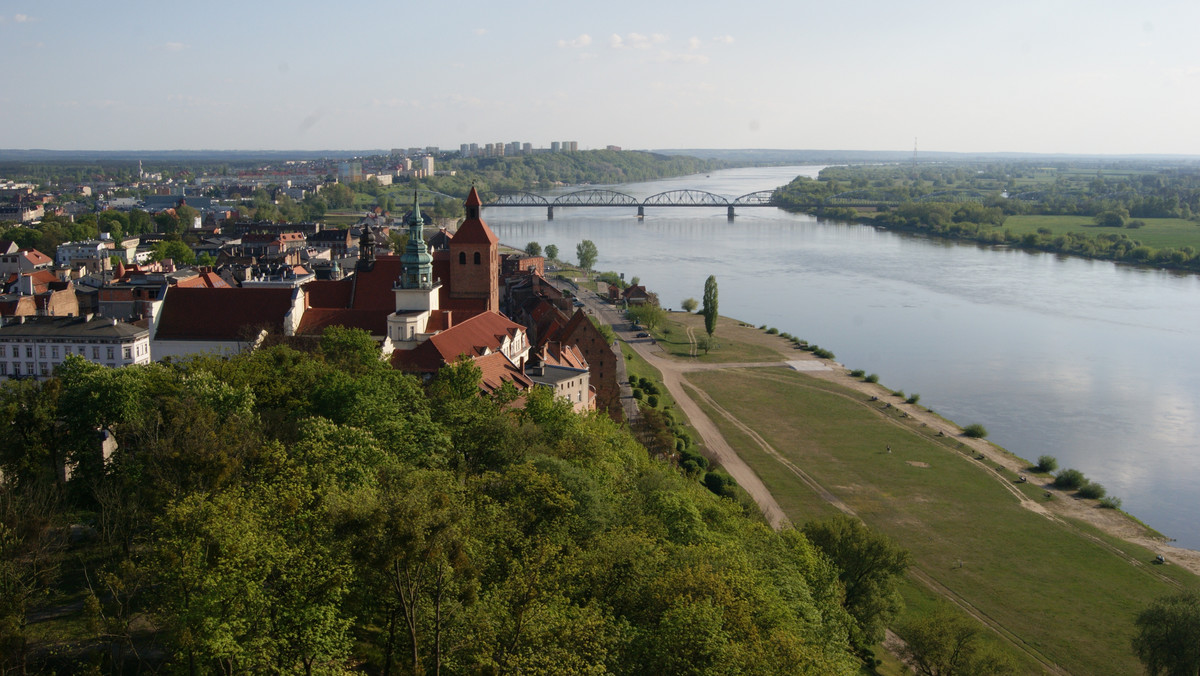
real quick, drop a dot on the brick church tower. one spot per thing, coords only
(475, 258)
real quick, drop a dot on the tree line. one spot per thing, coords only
(1113, 199)
(312, 510)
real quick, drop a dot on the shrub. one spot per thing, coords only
(652, 400)
(1070, 479)
(872, 378)
(1135, 224)
(975, 431)
(637, 394)
(913, 398)
(720, 483)
(898, 393)
(1046, 463)
(822, 353)
(773, 331)
(784, 334)
(857, 373)
(1092, 491)
(763, 327)
(1110, 502)
(649, 387)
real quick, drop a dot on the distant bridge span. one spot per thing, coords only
(611, 198)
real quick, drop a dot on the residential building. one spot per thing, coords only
(32, 346)
(16, 261)
(92, 254)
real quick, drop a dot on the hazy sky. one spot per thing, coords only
(1094, 76)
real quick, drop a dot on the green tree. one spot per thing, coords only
(586, 252)
(352, 350)
(533, 249)
(710, 305)
(871, 566)
(689, 305)
(338, 196)
(945, 643)
(176, 250)
(1168, 635)
(552, 252)
(647, 314)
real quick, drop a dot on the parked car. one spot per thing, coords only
(643, 334)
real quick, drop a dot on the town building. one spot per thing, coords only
(92, 254)
(32, 346)
(17, 261)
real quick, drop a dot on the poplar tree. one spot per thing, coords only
(710, 305)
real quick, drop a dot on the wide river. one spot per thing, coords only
(1093, 363)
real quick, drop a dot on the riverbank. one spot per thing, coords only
(768, 348)
(1107, 244)
(1055, 577)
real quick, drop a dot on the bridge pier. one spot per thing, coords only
(550, 213)
(730, 212)
(641, 212)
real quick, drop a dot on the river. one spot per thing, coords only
(1088, 361)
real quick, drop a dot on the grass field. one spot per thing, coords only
(1157, 233)
(736, 342)
(1060, 589)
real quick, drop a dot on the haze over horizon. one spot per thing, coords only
(1040, 77)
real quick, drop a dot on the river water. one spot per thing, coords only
(1088, 361)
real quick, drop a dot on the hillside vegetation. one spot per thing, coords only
(285, 512)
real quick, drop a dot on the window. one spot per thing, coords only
(29, 352)
(54, 352)
(28, 368)
(44, 369)
(478, 259)
(3, 349)
(95, 353)
(128, 353)
(82, 350)
(462, 257)
(3, 368)
(42, 351)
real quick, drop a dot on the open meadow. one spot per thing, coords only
(1057, 593)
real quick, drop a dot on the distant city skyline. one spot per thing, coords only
(1052, 76)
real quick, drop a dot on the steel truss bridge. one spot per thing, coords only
(612, 198)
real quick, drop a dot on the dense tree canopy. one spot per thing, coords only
(288, 512)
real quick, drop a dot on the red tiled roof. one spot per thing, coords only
(555, 353)
(222, 314)
(329, 294)
(473, 338)
(497, 369)
(316, 320)
(363, 301)
(35, 257)
(474, 230)
(204, 280)
(473, 199)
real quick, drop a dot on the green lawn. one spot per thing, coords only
(1063, 594)
(1157, 233)
(736, 342)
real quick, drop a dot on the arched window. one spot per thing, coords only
(462, 258)
(477, 259)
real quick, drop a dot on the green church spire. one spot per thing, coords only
(416, 263)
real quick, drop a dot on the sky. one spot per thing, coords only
(1044, 76)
